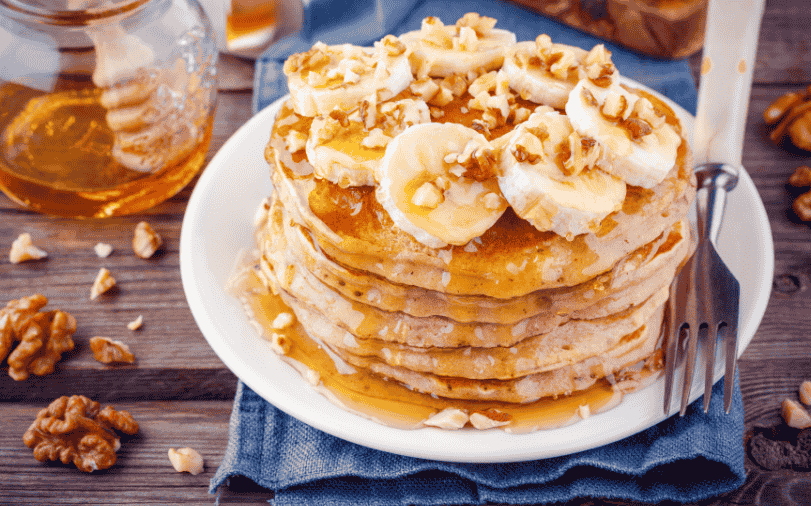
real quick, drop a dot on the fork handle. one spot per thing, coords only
(714, 181)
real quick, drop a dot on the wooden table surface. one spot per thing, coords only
(181, 393)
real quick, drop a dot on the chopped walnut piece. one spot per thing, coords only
(392, 45)
(186, 460)
(145, 241)
(802, 206)
(481, 24)
(638, 128)
(467, 40)
(522, 154)
(428, 196)
(283, 320)
(434, 33)
(104, 281)
(805, 393)
(780, 106)
(456, 83)
(489, 419)
(73, 429)
(448, 418)
(795, 415)
(295, 141)
(791, 113)
(280, 343)
(23, 249)
(375, 139)
(614, 106)
(103, 250)
(800, 131)
(107, 351)
(442, 98)
(424, 88)
(43, 336)
(801, 177)
(136, 323)
(310, 60)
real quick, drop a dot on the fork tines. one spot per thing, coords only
(701, 300)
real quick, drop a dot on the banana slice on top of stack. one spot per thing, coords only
(438, 183)
(549, 177)
(638, 144)
(326, 78)
(545, 73)
(471, 45)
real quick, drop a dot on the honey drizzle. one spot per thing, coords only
(393, 404)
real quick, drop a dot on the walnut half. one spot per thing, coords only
(75, 429)
(43, 336)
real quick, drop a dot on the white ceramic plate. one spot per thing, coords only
(219, 223)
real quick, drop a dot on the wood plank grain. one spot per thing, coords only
(142, 474)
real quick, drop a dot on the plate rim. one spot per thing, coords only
(478, 445)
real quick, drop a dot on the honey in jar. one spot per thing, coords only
(116, 115)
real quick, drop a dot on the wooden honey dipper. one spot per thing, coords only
(135, 92)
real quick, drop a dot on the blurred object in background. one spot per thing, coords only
(108, 106)
(671, 29)
(247, 27)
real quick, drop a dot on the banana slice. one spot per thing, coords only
(472, 45)
(347, 148)
(326, 78)
(437, 182)
(546, 73)
(638, 145)
(547, 175)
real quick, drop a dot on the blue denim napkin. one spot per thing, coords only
(681, 459)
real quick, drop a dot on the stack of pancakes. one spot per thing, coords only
(515, 315)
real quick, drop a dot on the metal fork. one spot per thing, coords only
(704, 298)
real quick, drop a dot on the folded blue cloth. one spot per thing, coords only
(681, 459)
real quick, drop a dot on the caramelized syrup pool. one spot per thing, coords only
(392, 404)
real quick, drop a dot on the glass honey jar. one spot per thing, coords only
(107, 105)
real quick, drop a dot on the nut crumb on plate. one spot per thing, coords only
(23, 249)
(104, 281)
(107, 351)
(448, 418)
(186, 460)
(145, 241)
(75, 429)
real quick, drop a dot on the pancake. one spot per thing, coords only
(566, 344)
(638, 346)
(632, 280)
(369, 322)
(510, 259)
(508, 312)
